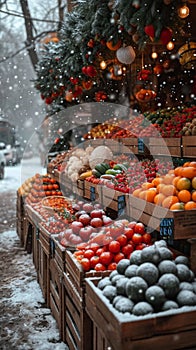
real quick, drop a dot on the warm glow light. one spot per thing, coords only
(154, 55)
(103, 65)
(183, 11)
(170, 45)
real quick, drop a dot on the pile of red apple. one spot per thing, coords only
(111, 244)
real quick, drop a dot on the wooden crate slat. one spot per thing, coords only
(189, 146)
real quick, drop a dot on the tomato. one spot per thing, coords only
(106, 258)
(55, 186)
(140, 246)
(48, 193)
(116, 229)
(112, 266)
(88, 253)
(114, 246)
(99, 267)
(139, 228)
(50, 187)
(85, 264)
(147, 238)
(94, 260)
(122, 239)
(81, 246)
(94, 246)
(127, 249)
(76, 226)
(84, 219)
(99, 251)
(128, 231)
(137, 238)
(132, 224)
(119, 256)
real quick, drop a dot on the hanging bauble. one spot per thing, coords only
(91, 43)
(136, 4)
(135, 38)
(145, 95)
(126, 54)
(166, 64)
(87, 85)
(69, 96)
(100, 96)
(158, 69)
(187, 54)
(165, 36)
(113, 47)
(150, 31)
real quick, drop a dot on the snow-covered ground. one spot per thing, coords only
(25, 322)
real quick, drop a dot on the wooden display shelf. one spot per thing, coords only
(165, 146)
(167, 331)
(189, 146)
(114, 200)
(58, 252)
(171, 224)
(92, 191)
(55, 293)
(77, 326)
(129, 145)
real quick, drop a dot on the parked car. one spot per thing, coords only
(12, 151)
(2, 161)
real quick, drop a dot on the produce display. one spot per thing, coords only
(42, 186)
(176, 190)
(112, 243)
(150, 281)
(25, 188)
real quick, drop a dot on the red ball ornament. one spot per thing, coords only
(91, 43)
(48, 100)
(150, 31)
(165, 36)
(91, 71)
(84, 71)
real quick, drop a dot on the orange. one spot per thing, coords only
(158, 199)
(168, 178)
(150, 194)
(190, 205)
(169, 201)
(160, 187)
(177, 206)
(175, 180)
(171, 171)
(183, 184)
(168, 190)
(178, 170)
(147, 185)
(136, 192)
(184, 196)
(156, 181)
(193, 182)
(186, 164)
(193, 163)
(142, 194)
(189, 172)
(193, 196)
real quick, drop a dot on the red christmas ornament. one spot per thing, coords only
(150, 31)
(48, 100)
(91, 71)
(100, 96)
(77, 92)
(84, 70)
(91, 43)
(166, 35)
(87, 84)
(144, 74)
(74, 80)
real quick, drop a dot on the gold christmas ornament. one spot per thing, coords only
(126, 54)
(187, 54)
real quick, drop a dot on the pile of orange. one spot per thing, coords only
(175, 191)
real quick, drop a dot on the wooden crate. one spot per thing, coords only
(189, 146)
(35, 247)
(113, 144)
(114, 200)
(77, 326)
(76, 274)
(92, 191)
(78, 188)
(44, 263)
(20, 217)
(171, 224)
(55, 293)
(167, 331)
(58, 252)
(165, 146)
(129, 145)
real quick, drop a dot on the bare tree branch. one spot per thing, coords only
(32, 18)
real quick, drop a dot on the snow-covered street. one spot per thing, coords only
(26, 323)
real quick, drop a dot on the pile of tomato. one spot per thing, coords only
(43, 186)
(112, 244)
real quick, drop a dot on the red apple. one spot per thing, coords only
(85, 232)
(97, 213)
(84, 219)
(76, 226)
(96, 222)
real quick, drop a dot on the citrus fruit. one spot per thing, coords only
(189, 172)
(169, 201)
(177, 206)
(184, 196)
(183, 183)
(190, 205)
(168, 190)
(158, 199)
(193, 196)
(193, 182)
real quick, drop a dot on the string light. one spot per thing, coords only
(154, 55)
(183, 11)
(103, 65)
(170, 45)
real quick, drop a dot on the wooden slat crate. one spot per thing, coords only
(55, 293)
(128, 145)
(20, 217)
(78, 188)
(165, 146)
(35, 247)
(114, 200)
(92, 191)
(76, 274)
(58, 252)
(113, 144)
(189, 146)
(77, 326)
(171, 224)
(167, 331)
